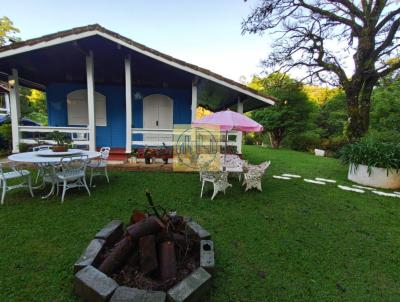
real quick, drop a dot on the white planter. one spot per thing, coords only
(132, 160)
(378, 178)
(319, 152)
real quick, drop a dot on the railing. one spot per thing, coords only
(156, 137)
(33, 134)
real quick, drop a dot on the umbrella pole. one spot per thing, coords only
(226, 149)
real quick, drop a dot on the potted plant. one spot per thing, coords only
(164, 153)
(133, 158)
(62, 140)
(373, 163)
(148, 154)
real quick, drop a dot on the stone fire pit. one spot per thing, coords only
(92, 284)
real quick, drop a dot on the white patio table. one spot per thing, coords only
(40, 158)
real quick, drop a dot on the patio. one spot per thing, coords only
(290, 242)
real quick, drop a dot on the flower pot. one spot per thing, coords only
(319, 152)
(379, 177)
(60, 148)
(147, 160)
(132, 160)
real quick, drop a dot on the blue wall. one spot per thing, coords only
(114, 133)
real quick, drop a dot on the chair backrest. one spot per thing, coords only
(231, 161)
(105, 152)
(74, 163)
(40, 148)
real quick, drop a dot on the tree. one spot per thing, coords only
(7, 31)
(291, 111)
(319, 35)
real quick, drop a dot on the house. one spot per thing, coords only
(107, 90)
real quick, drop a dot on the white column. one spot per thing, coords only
(128, 104)
(7, 102)
(91, 105)
(15, 111)
(239, 133)
(194, 101)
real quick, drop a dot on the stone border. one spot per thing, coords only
(93, 285)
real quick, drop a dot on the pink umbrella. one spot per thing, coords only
(229, 120)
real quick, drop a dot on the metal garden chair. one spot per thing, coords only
(14, 174)
(253, 175)
(73, 173)
(219, 181)
(41, 165)
(100, 164)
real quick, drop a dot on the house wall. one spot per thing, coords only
(114, 133)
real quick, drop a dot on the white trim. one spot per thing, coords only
(73, 37)
(51, 129)
(91, 105)
(15, 111)
(7, 102)
(194, 101)
(128, 104)
(239, 135)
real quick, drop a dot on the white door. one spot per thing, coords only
(157, 115)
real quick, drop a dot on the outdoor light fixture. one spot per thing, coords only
(11, 83)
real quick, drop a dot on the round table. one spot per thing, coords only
(40, 159)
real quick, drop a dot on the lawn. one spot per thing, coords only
(295, 241)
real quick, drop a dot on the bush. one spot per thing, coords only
(334, 144)
(249, 139)
(5, 137)
(372, 154)
(305, 141)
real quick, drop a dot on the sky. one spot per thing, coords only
(205, 33)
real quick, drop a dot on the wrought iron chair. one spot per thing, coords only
(73, 173)
(233, 164)
(253, 175)
(101, 164)
(40, 165)
(14, 174)
(219, 181)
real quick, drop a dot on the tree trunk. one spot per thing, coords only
(275, 138)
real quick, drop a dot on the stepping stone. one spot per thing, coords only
(386, 194)
(362, 187)
(281, 177)
(314, 181)
(398, 193)
(325, 180)
(291, 175)
(351, 189)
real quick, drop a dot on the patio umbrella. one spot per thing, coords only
(228, 120)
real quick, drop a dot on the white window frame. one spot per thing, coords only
(77, 108)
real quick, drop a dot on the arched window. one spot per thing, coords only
(77, 107)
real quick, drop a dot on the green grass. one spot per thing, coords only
(314, 243)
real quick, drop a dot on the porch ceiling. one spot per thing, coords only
(65, 62)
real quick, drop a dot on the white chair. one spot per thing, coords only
(233, 164)
(253, 175)
(14, 174)
(101, 164)
(73, 173)
(219, 181)
(40, 165)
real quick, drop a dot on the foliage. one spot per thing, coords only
(320, 94)
(372, 154)
(7, 31)
(291, 111)
(60, 138)
(23, 147)
(365, 31)
(308, 140)
(33, 105)
(6, 136)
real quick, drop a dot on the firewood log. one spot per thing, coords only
(118, 256)
(148, 254)
(151, 225)
(167, 260)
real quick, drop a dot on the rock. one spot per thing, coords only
(92, 285)
(192, 288)
(90, 255)
(128, 294)
(196, 229)
(207, 255)
(112, 232)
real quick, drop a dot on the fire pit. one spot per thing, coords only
(154, 258)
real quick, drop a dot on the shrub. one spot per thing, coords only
(5, 136)
(372, 154)
(334, 144)
(308, 140)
